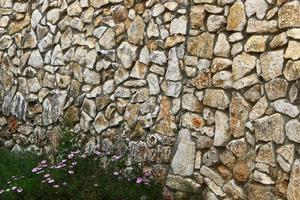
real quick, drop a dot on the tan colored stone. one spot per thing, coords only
(271, 64)
(256, 43)
(276, 88)
(239, 110)
(242, 64)
(289, 15)
(197, 16)
(16, 26)
(236, 19)
(201, 45)
(292, 70)
(270, 128)
(216, 98)
(293, 50)
(202, 80)
(293, 191)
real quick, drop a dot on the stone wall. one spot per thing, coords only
(203, 92)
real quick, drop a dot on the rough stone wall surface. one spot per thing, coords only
(204, 92)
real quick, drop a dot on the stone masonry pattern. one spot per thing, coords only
(204, 93)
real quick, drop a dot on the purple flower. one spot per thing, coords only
(1, 191)
(139, 180)
(46, 175)
(43, 162)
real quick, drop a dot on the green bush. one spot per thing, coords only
(73, 175)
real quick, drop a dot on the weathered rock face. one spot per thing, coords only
(205, 93)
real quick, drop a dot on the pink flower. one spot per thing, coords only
(1, 191)
(51, 181)
(46, 175)
(43, 162)
(139, 180)
(116, 173)
(19, 190)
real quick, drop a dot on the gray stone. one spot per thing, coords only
(173, 71)
(183, 160)
(283, 106)
(292, 130)
(270, 128)
(178, 26)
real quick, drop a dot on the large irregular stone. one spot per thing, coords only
(201, 45)
(261, 26)
(256, 43)
(158, 57)
(222, 131)
(292, 70)
(107, 40)
(173, 71)
(222, 46)
(270, 128)
(239, 110)
(191, 103)
(202, 80)
(258, 109)
(19, 106)
(289, 15)
(211, 174)
(100, 123)
(183, 160)
(222, 79)
(172, 89)
(266, 154)
(276, 88)
(127, 54)
(258, 7)
(293, 50)
(197, 16)
(91, 77)
(181, 184)
(245, 82)
(178, 26)
(236, 19)
(293, 190)
(242, 64)
(166, 120)
(216, 98)
(283, 106)
(271, 64)
(136, 31)
(237, 147)
(292, 130)
(192, 120)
